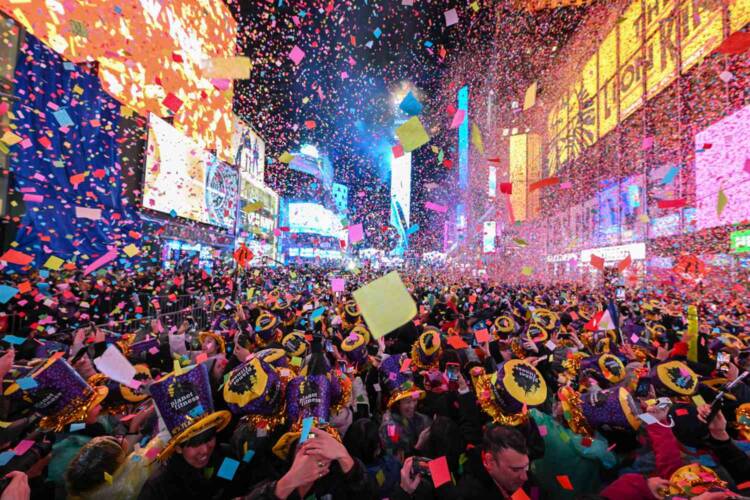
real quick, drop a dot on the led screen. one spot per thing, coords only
(492, 182)
(309, 160)
(401, 184)
(248, 151)
(315, 219)
(488, 237)
(463, 139)
(183, 179)
(151, 55)
(721, 165)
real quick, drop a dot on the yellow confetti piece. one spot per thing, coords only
(286, 158)
(131, 250)
(107, 478)
(54, 263)
(380, 476)
(527, 270)
(10, 138)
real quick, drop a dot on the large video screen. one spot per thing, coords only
(248, 151)
(488, 237)
(401, 185)
(182, 177)
(721, 159)
(151, 55)
(314, 219)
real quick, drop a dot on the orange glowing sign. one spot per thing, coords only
(634, 62)
(151, 55)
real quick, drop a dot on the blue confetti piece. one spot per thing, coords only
(12, 339)
(428, 44)
(69, 66)
(197, 411)
(63, 118)
(317, 313)
(248, 456)
(5, 457)
(306, 426)
(377, 32)
(78, 426)
(410, 105)
(413, 229)
(7, 293)
(26, 383)
(228, 469)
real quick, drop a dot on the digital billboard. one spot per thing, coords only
(721, 166)
(401, 185)
(463, 139)
(182, 178)
(260, 220)
(492, 182)
(488, 237)
(633, 63)
(314, 218)
(150, 55)
(248, 151)
(340, 197)
(518, 175)
(309, 160)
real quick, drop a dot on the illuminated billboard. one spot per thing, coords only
(340, 195)
(182, 178)
(150, 55)
(401, 185)
(310, 161)
(248, 151)
(517, 158)
(721, 159)
(641, 53)
(313, 218)
(488, 237)
(492, 182)
(463, 139)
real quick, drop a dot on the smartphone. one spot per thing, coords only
(722, 361)
(643, 388)
(451, 371)
(420, 466)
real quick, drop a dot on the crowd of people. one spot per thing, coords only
(280, 389)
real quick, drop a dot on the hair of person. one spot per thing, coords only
(86, 471)
(199, 439)
(444, 439)
(362, 440)
(498, 438)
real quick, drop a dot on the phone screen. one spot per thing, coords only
(642, 389)
(451, 370)
(722, 361)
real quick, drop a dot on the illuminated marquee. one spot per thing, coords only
(463, 139)
(525, 169)
(147, 51)
(641, 54)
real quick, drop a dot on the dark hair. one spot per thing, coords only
(199, 439)
(362, 440)
(444, 439)
(498, 438)
(86, 471)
